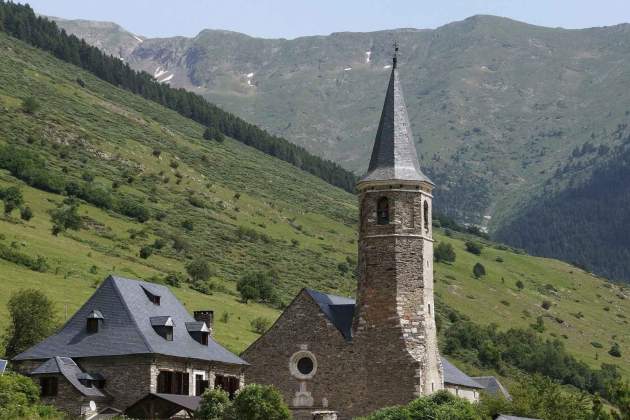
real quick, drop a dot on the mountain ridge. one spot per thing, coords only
(497, 105)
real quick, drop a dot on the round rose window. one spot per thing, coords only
(305, 365)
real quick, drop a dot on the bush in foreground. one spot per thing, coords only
(31, 319)
(441, 405)
(254, 402)
(19, 399)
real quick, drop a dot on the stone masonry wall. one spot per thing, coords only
(339, 381)
(127, 378)
(68, 399)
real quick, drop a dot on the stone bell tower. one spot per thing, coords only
(394, 316)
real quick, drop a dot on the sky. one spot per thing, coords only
(294, 18)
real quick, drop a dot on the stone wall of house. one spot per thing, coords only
(193, 367)
(471, 394)
(130, 378)
(127, 378)
(339, 379)
(68, 398)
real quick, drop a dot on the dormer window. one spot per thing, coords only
(163, 326)
(382, 211)
(94, 322)
(199, 331)
(155, 299)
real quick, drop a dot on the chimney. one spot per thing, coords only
(205, 316)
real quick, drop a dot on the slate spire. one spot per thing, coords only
(394, 156)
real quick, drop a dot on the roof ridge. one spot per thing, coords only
(128, 310)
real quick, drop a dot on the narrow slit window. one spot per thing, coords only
(382, 211)
(426, 216)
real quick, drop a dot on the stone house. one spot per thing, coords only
(460, 384)
(131, 340)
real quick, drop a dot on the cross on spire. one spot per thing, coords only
(395, 59)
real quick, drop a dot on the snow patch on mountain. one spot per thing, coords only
(140, 40)
(166, 79)
(368, 56)
(389, 66)
(159, 72)
(347, 69)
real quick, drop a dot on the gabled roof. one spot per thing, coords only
(394, 156)
(492, 386)
(339, 310)
(66, 367)
(127, 327)
(454, 376)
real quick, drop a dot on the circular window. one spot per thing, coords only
(303, 364)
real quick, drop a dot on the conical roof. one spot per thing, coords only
(394, 156)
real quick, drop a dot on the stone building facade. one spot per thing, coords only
(326, 352)
(131, 339)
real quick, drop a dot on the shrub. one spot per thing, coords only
(180, 244)
(596, 344)
(146, 252)
(196, 201)
(30, 105)
(174, 164)
(440, 405)
(157, 153)
(260, 402)
(26, 213)
(444, 252)
(615, 350)
(257, 286)
(131, 207)
(473, 247)
(260, 325)
(12, 199)
(215, 405)
(66, 216)
(19, 399)
(198, 270)
(31, 319)
(539, 326)
(30, 168)
(159, 243)
(38, 264)
(520, 285)
(479, 270)
(499, 259)
(188, 225)
(174, 279)
(546, 304)
(212, 133)
(343, 268)
(390, 413)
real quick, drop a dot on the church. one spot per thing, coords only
(332, 354)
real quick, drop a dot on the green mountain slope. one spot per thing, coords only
(258, 214)
(497, 106)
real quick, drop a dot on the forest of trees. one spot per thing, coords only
(21, 22)
(586, 225)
